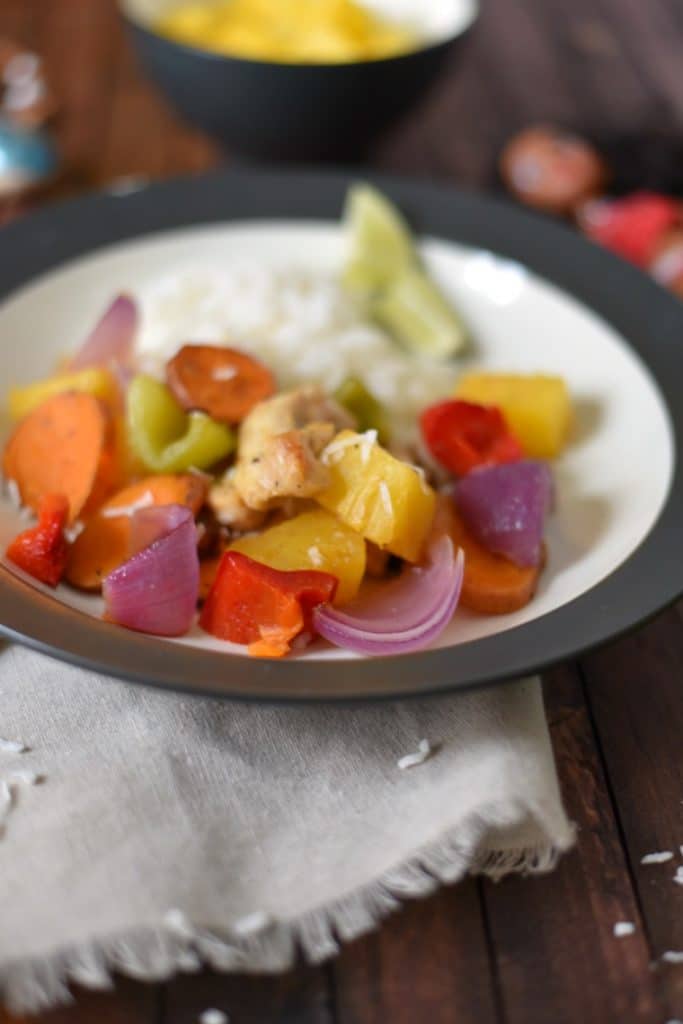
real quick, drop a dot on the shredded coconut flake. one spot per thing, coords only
(74, 531)
(253, 923)
(623, 928)
(224, 373)
(144, 501)
(314, 555)
(336, 448)
(423, 751)
(672, 956)
(657, 858)
(367, 444)
(678, 877)
(213, 1017)
(387, 503)
(12, 747)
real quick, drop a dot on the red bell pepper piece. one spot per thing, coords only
(42, 550)
(631, 227)
(464, 435)
(250, 603)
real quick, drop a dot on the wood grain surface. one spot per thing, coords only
(538, 951)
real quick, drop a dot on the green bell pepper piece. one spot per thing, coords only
(166, 438)
(369, 413)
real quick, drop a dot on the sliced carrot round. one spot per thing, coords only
(222, 382)
(491, 585)
(61, 447)
(104, 544)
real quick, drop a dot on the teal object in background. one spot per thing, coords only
(26, 158)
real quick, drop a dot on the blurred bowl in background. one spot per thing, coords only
(299, 111)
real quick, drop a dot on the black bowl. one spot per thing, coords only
(288, 111)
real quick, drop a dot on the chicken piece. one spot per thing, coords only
(280, 444)
(230, 510)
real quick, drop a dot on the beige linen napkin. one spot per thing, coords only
(169, 831)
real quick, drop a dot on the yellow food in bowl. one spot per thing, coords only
(287, 31)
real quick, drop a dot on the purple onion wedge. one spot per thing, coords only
(156, 590)
(505, 508)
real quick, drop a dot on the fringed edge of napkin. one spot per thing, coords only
(33, 985)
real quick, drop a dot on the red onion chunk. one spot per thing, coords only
(110, 343)
(153, 522)
(405, 615)
(156, 590)
(505, 508)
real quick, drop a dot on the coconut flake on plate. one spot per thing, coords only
(424, 750)
(144, 501)
(223, 373)
(385, 498)
(368, 442)
(623, 928)
(315, 555)
(336, 448)
(74, 531)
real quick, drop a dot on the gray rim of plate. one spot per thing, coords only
(651, 321)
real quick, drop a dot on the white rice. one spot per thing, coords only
(301, 324)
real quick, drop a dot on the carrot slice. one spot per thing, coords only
(491, 585)
(60, 448)
(222, 382)
(104, 544)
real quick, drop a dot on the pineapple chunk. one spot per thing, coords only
(312, 540)
(384, 499)
(537, 408)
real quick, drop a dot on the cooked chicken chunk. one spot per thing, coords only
(230, 510)
(280, 444)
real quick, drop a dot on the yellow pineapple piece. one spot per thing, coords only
(312, 540)
(537, 408)
(384, 499)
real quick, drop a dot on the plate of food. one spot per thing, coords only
(296, 436)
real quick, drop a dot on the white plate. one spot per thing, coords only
(611, 482)
(614, 541)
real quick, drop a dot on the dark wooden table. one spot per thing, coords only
(529, 951)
